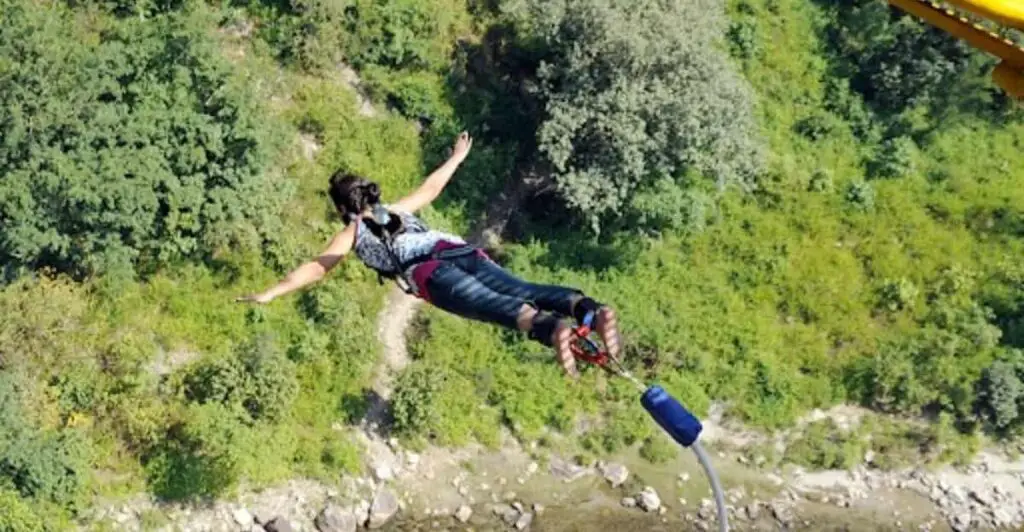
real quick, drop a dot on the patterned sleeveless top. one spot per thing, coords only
(417, 241)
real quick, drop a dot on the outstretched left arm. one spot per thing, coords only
(438, 179)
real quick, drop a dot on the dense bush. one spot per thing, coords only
(415, 403)
(48, 466)
(257, 380)
(202, 455)
(823, 445)
(127, 148)
(413, 34)
(309, 34)
(897, 62)
(630, 101)
(41, 332)
(16, 515)
(1001, 394)
(397, 34)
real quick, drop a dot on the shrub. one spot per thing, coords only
(49, 466)
(16, 515)
(201, 456)
(658, 449)
(629, 100)
(895, 61)
(1001, 394)
(128, 149)
(823, 445)
(257, 381)
(307, 33)
(860, 195)
(895, 158)
(895, 295)
(403, 33)
(414, 405)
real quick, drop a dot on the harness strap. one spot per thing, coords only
(444, 254)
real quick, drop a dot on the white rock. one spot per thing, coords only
(616, 474)
(524, 521)
(532, 468)
(649, 500)
(383, 472)
(629, 502)
(384, 506)
(463, 513)
(242, 517)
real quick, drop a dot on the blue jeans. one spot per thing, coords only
(474, 287)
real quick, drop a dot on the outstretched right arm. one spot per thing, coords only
(311, 271)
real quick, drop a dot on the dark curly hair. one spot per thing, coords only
(352, 194)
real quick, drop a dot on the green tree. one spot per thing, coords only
(630, 100)
(127, 148)
(1001, 393)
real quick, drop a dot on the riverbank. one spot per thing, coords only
(526, 487)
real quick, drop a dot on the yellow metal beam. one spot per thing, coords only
(1009, 74)
(1010, 80)
(1006, 12)
(949, 21)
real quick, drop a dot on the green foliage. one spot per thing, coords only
(895, 295)
(744, 42)
(823, 445)
(126, 149)
(16, 515)
(1001, 394)
(821, 181)
(658, 449)
(307, 33)
(415, 403)
(860, 195)
(396, 34)
(630, 101)
(202, 455)
(403, 34)
(895, 158)
(49, 466)
(895, 61)
(257, 379)
(41, 329)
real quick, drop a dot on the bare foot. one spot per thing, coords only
(607, 326)
(562, 339)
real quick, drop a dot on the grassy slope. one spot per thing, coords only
(767, 309)
(773, 305)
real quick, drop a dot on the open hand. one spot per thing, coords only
(260, 298)
(462, 145)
